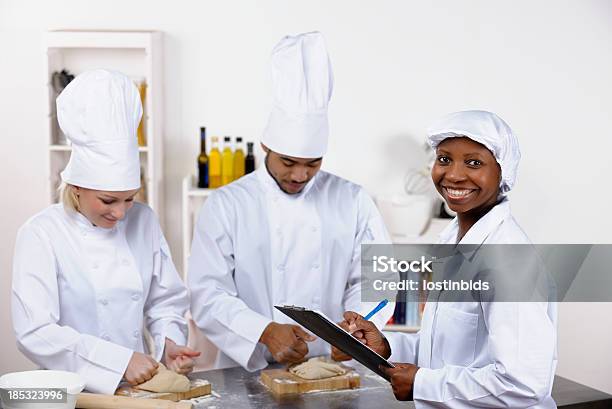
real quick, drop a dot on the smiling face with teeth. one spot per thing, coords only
(467, 176)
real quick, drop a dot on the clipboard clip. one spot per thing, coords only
(294, 307)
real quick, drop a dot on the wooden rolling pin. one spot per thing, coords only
(97, 401)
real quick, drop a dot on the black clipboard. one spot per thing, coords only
(329, 331)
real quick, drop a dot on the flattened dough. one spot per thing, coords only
(317, 368)
(166, 380)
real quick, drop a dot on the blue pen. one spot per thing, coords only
(379, 307)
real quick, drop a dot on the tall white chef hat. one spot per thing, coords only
(99, 111)
(485, 128)
(302, 82)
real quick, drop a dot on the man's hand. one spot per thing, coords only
(286, 342)
(366, 332)
(179, 358)
(402, 379)
(140, 369)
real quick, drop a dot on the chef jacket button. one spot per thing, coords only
(315, 266)
(95, 266)
(106, 337)
(279, 231)
(104, 301)
(135, 297)
(280, 267)
(125, 262)
(136, 334)
(314, 229)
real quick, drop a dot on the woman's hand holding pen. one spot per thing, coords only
(366, 332)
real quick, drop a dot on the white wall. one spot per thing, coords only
(544, 66)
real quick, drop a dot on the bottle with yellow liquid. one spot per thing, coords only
(140, 132)
(214, 164)
(238, 159)
(227, 162)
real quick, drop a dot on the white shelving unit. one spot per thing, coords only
(192, 200)
(138, 54)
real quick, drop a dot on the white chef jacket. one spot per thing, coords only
(82, 295)
(255, 246)
(479, 354)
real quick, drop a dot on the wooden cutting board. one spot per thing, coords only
(199, 387)
(98, 401)
(283, 382)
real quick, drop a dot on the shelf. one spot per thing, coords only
(68, 148)
(401, 328)
(199, 192)
(100, 39)
(60, 148)
(190, 189)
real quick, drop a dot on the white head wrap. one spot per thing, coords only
(485, 128)
(99, 111)
(302, 83)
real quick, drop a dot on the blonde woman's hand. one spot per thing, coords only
(140, 369)
(179, 358)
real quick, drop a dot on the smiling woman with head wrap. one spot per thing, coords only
(474, 354)
(477, 158)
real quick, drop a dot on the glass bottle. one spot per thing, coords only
(202, 161)
(214, 164)
(227, 162)
(249, 161)
(238, 159)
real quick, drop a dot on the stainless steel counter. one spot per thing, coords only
(236, 388)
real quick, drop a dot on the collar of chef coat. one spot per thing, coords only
(271, 186)
(84, 225)
(479, 232)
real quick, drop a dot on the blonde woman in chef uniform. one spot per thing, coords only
(91, 273)
(473, 354)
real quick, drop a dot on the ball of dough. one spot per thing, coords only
(166, 380)
(315, 368)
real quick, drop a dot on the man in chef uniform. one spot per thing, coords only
(287, 233)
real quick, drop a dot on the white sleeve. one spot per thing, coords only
(522, 342)
(371, 230)
(36, 313)
(404, 347)
(167, 301)
(224, 318)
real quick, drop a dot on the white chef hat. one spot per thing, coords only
(302, 82)
(485, 128)
(99, 111)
